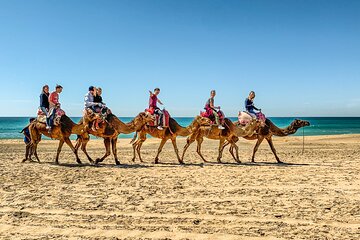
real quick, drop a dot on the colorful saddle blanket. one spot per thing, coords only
(210, 115)
(165, 118)
(245, 118)
(41, 116)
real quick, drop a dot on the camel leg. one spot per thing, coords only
(107, 149)
(61, 143)
(34, 151)
(27, 152)
(83, 143)
(163, 141)
(138, 149)
(271, 144)
(114, 150)
(189, 141)
(134, 150)
(69, 143)
(237, 158)
(221, 148)
(259, 141)
(198, 149)
(173, 140)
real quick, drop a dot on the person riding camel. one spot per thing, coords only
(153, 108)
(98, 99)
(54, 104)
(44, 103)
(212, 110)
(249, 105)
(91, 104)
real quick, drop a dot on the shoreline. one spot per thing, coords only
(179, 137)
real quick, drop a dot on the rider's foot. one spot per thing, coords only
(221, 127)
(160, 128)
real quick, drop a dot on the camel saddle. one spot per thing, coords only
(156, 122)
(245, 118)
(41, 116)
(208, 114)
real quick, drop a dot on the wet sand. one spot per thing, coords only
(316, 195)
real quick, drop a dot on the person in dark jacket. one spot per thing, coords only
(44, 102)
(249, 104)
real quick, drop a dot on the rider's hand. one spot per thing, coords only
(260, 109)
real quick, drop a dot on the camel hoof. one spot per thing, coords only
(97, 161)
(78, 161)
(219, 161)
(181, 162)
(57, 162)
(156, 161)
(24, 160)
(280, 162)
(133, 159)
(117, 162)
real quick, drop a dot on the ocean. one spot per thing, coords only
(11, 126)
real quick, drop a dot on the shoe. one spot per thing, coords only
(221, 127)
(160, 128)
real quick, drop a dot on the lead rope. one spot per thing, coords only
(303, 141)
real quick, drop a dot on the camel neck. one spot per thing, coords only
(122, 127)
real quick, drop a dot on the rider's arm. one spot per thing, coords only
(160, 102)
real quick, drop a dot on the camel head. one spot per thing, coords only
(202, 120)
(297, 123)
(143, 118)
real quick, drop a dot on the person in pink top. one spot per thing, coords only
(54, 104)
(153, 108)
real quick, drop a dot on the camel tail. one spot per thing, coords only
(274, 129)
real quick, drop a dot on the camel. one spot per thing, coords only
(231, 134)
(61, 132)
(269, 130)
(109, 131)
(171, 133)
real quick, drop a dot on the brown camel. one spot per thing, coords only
(109, 131)
(171, 133)
(231, 133)
(61, 132)
(270, 130)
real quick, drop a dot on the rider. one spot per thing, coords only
(98, 99)
(89, 100)
(91, 104)
(249, 104)
(153, 100)
(44, 102)
(210, 108)
(54, 104)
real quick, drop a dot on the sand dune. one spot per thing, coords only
(315, 196)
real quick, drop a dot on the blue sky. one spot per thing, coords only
(301, 57)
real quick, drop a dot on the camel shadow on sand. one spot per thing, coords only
(76, 165)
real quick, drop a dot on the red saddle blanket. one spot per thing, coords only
(210, 115)
(165, 115)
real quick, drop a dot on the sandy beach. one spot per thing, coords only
(315, 196)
